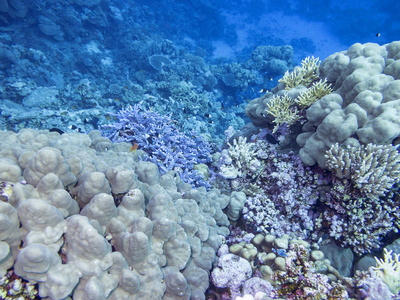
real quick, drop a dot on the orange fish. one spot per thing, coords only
(134, 147)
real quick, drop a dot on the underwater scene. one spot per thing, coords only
(197, 149)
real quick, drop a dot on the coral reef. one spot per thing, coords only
(300, 281)
(280, 188)
(363, 107)
(90, 221)
(356, 221)
(361, 205)
(373, 169)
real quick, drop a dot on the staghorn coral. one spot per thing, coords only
(317, 90)
(373, 169)
(284, 110)
(388, 269)
(166, 146)
(304, 75)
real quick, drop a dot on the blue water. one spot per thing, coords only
(66, 64)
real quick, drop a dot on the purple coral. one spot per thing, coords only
(232, 272)
(166, 146)
(281, 190)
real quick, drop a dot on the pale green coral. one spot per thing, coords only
(283, 109)
(304, 75)
(389, 270)
(318, 90)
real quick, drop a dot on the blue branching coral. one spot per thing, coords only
(166, 146)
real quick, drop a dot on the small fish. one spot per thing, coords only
(378, 34)
(271, 139)
(263, 91)
(56, 130)
(280, 252)
(134, 148)
(116, 99)
(207, 115)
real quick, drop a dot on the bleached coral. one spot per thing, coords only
(236, 159)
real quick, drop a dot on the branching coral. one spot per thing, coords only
(355, 221)
(287, 110)
(389, 270)
(317, 90)
(373, 169)
(284, 110)
(304, 75)
(357, 215)
(162, 140)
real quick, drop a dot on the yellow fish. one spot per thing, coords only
(134, 147)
